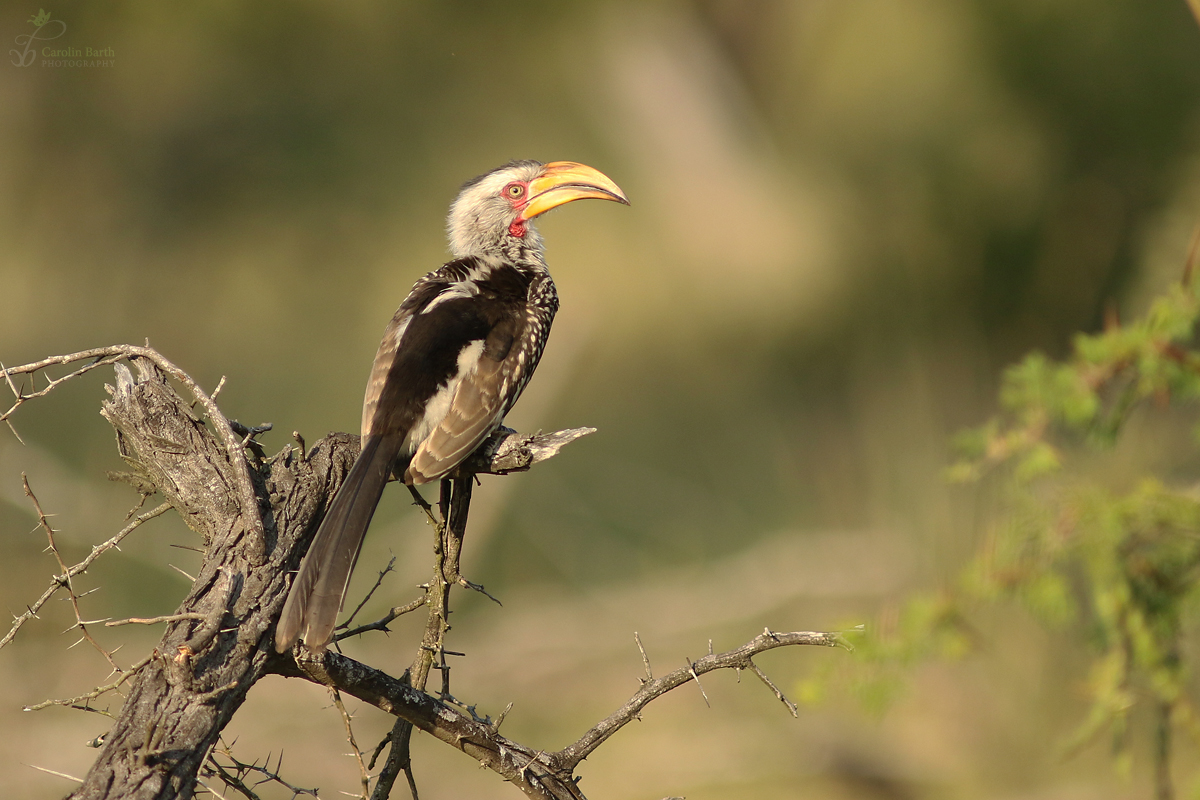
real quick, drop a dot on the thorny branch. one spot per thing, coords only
(391, 565)
(449, 531)
(540, 774)
(792, 707)
(363, 775)
(18, 393)
(382, 623)
(82, 700)
(68, 583)
(740, 658)
(153, 620)
(236, 775)
(247, 497)
(59, 581)
(212, 652)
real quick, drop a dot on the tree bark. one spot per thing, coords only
(201, 670)
(256, 516)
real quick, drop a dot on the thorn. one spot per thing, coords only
(791, 707)
(57, 774)
(14, 431)
(500, 719)
(181, 572)
(696, 678)
(466, 584)
(645, 658)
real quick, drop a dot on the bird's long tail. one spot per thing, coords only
(316, 597)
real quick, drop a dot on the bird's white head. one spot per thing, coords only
(492, 214)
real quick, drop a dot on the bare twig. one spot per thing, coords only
(569, 757)
(507, 451)
(217, 391)
(55, 773)
(235, 774)
(378, 582)
(500, 718)
(795, 711)
(420, 502)
(364, 775)
(66, 577)
(200, 782)
(513, 761)
(19, 396)
(696, 678)
(99, 690)
(645, 658)
(114, 353)
(248, 432)
(381, 624)
(448, 534)
(181, 572)
(153, 620)
(477, 587)
(546, 775)
(17, 393)
(144, 496)
(399, 760)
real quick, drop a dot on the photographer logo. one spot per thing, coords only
(31, 46)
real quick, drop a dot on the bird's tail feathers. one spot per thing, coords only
(320, 586)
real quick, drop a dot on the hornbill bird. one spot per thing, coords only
(453, 361)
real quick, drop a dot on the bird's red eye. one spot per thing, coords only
(514, 191)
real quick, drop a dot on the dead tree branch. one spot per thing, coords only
(741, 658)
(382, 623)
(539, 774)
(83, 700)
(256, 516)
(235, 462)
(67, 581)
(364, 776)
(237, 774)
(59, 581)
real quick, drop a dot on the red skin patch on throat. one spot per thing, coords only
(517, 228)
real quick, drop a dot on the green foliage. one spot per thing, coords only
(1091, 394)
(1120, 567)
(1117, 568)
(928, 625)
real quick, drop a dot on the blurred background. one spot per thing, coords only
(848, 216)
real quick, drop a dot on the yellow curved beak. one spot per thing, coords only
(564, 181)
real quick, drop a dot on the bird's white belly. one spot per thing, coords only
(439, 405)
